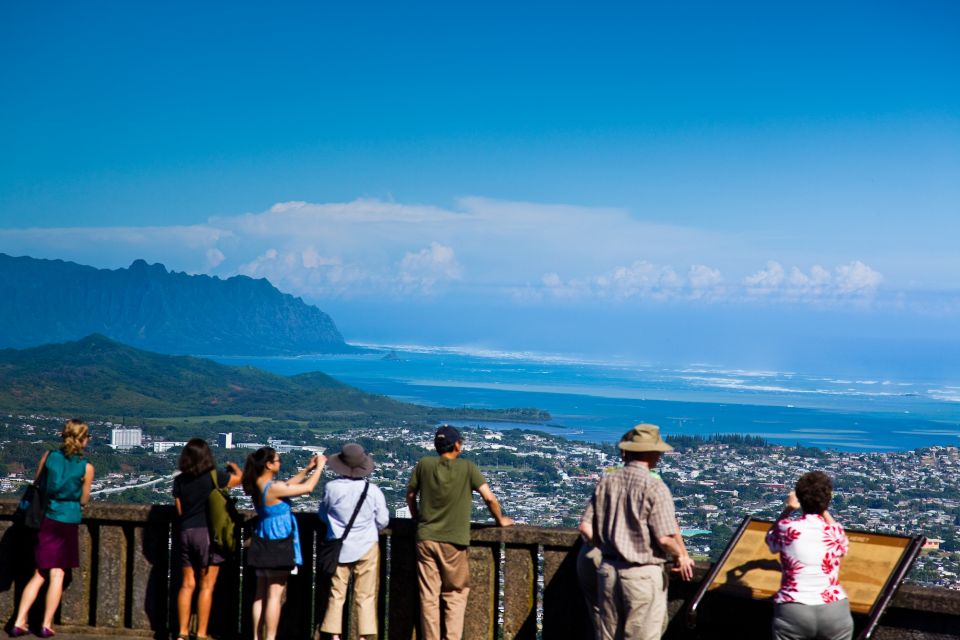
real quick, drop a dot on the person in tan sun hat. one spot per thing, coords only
(630, 519)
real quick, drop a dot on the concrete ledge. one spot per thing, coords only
(126, 586)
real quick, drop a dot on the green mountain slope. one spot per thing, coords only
(97, 376)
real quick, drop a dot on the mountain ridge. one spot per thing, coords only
(149, 307)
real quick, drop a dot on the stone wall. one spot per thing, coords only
(522, 579)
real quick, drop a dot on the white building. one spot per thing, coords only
(126, 438)
(162, 446)
(225, 440)
(402, 512)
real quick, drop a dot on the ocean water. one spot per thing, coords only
(597, 400)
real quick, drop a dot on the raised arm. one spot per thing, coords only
(301, 475)
(789, 506)
(236, 475)
(494, 506)
(304, 485)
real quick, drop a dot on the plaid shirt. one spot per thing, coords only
(629, 509)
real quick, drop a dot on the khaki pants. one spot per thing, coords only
(443, 573)
(632, 598)
(365, 578)
(588, 563)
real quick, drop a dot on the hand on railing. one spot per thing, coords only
(684, 567)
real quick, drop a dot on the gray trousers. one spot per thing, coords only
(795, 621)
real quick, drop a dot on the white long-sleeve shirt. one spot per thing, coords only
(339, 500)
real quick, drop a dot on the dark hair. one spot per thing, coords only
(256, 463)
(643, 456)
(814, 491)
(196, 458)
(446, 439)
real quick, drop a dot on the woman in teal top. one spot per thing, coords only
(271, 498)
(67, 487)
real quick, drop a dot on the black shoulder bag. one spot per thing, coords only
(328, 553)
(33, 504)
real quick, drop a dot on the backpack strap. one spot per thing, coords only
(213, 475)
(356, 510)
(43, 465)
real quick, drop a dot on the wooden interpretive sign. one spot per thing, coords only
(870, 573)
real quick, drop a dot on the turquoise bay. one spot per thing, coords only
(597, 401)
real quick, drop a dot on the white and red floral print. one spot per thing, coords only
(810, 551)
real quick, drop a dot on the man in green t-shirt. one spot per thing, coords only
(445, 484)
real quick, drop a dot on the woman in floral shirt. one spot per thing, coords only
(810, 603)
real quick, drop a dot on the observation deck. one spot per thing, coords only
(523, 586)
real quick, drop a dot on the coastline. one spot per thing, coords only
(596, 402)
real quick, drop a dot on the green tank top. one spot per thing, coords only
(64, 486)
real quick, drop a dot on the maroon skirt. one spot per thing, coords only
(58, 545)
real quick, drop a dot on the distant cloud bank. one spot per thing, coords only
(526, 252)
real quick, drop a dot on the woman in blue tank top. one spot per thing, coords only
(271, 498)
(67, 488)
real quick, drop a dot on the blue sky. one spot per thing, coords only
(756, 173)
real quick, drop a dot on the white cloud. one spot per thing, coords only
(214, 257)
(481, 247)
(705, 282)
(765, 280)
(423, 270)
(641, 280)
(852, 281)
(857, 277)
(311, 259)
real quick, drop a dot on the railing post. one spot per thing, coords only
(519, 593)
(403, 610)
(76, 605)
(480, 619)
(110, 579)
(564, 610)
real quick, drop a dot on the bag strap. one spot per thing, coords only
(213, 474)
(40, 481)
(263, 496)
(356, 510)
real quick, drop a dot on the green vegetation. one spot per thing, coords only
(736, 440)
(228, 419)
(96, 376)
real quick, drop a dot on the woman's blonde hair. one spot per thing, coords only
(74, 435)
